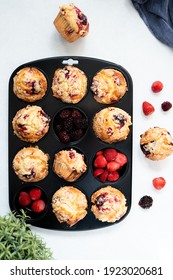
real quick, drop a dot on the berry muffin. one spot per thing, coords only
(31, 123)
(71, 23)
(111, 125)
(69, 205)
(108, 86)
(69, 165)
(108, 204)
(31, 164)
(69, 84)
(29, 84)
(156, 143)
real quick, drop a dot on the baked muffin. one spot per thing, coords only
(108, 204)
(29, 84)
(108, 86)
(69, 84)
(156, 143)
(31, 164)
(111, 125)
(71, 23)
(69, 205)
(69, 165)
(31, 123)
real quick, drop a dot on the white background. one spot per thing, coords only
(117, 34)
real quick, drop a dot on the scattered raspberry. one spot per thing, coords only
(38, 206)
(157, 86)
(35, 194)
(24, 199)
(166, 106)
(146, 202)
(159, 183)
(147, 108)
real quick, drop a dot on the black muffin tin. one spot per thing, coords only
(89, 144)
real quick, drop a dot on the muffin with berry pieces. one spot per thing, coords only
(69, 205)
(111, 124)
(71, 23)
(109, 86)
(31, 123)
(69, 84)
(31, 164)
(69, 165)
(156, 143)
(108, 204)
(29, 84)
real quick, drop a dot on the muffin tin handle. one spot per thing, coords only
(70, 61)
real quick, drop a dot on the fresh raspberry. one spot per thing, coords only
(157, 86)
(35, 194)
(110, 154)
(113, 166)
(146, 201)
(121, 159)
(38, 206)
(103, 176)
(24, 199)
(159, 183)
(113, 176)
(100, 162)
(147, 108)
(166, 106)
(97, 172)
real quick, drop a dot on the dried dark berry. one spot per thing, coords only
(146, 201)
(76, 114)
(65, 114)
(68, 124)
(77, 134)
(166, 106)
(64, 136)
(83, 18)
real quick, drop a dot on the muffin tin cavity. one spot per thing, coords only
(70, 124)
(33, 200)
(87, 144)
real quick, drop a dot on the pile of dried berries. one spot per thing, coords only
(70, 125)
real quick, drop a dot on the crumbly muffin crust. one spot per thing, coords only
(29, 84)
(111, 124)
(31, 123)
(69, 84)
(69, 205)
(156, 143)
(31, 164)
(108, 204)
(108, 86)
(69, 164)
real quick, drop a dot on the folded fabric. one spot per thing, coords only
(158, 16)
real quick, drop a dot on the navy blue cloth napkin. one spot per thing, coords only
(158, 16)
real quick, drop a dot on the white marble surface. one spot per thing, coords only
(117, 34)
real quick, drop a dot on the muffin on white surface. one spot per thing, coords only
(111, 124)
(69, 205)
(156, 143)
(31, 123)
(71, 23)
